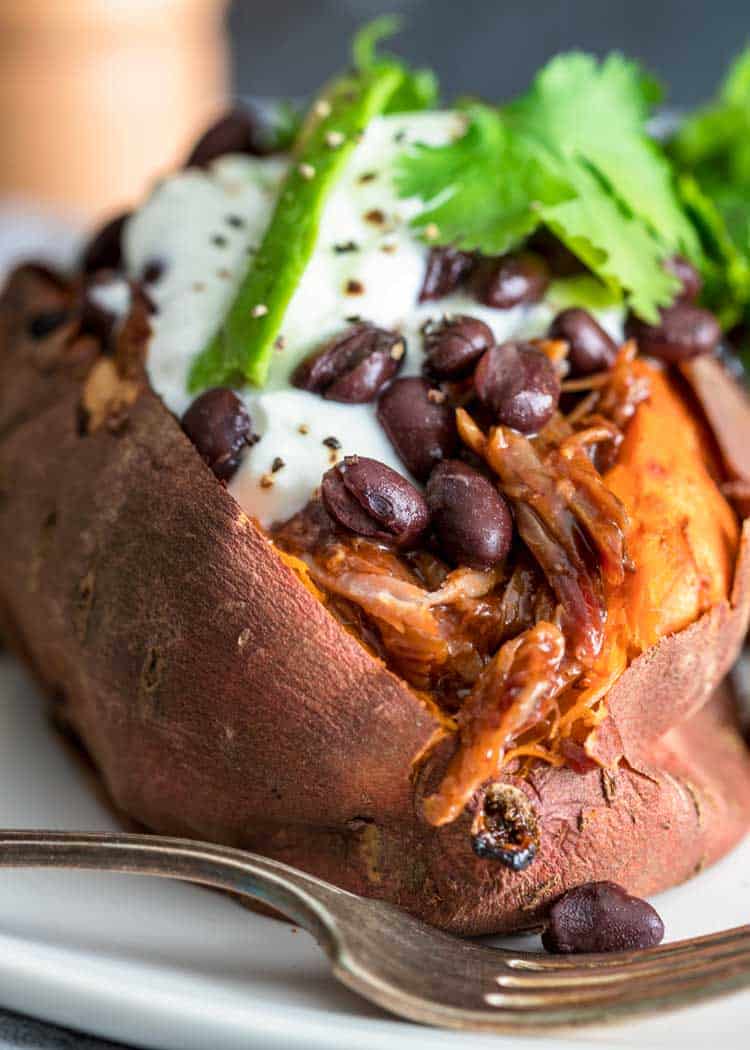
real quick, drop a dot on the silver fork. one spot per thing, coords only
(402, 964)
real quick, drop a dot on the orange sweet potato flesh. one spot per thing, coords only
(684, 535)
(220, 700)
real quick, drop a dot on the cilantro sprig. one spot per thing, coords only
(241, 350)
(712, 151)
(572, 154)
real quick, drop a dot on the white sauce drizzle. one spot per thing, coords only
(202, 225)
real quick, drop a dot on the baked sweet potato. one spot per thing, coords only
(221, 699)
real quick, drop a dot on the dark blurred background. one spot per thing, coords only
(488, 47)
(97, 98)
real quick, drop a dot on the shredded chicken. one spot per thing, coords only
(517, 653)
(553, 499)
(514, 691)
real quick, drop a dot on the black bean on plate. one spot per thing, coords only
(505, 281)
(419, 422)
(682, 332)
(219, 426)
(446, 269)
(688, 276)
(471, 520)
(520, 386)
(601, 917)
(370, 499)
(354, 366)
(104, 249)
(591, 349)
(453, 345)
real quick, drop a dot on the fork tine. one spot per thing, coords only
(532, 962)
(645, 964)
(659, 985)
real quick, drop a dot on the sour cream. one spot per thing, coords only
(202, 228)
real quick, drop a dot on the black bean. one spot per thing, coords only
(370, 499)
(688, 276)
(354, 366)
(509, 280)
(104, 249)
(454, 345)
(241, 130)
(420, 424)
(591, 349)
(520, 386)
(601, 917)
(472, 521)
(683, 331)
(446, 269)
(44, 324)
(560, 259)
(219, 426)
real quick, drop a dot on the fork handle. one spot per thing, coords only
(300, 897)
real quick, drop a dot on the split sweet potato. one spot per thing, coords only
(220, 699)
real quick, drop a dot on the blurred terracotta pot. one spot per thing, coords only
(98, 96)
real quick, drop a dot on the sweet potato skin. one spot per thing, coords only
(220, 700)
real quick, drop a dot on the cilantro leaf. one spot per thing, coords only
(583, 290)
(418, 88)
(365, 43)
(484, 189)
(735, 91)
(572, 153)
(712, 149)
(597, 114)
(726, 269)
(614, 245)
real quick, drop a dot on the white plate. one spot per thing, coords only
(163, 965)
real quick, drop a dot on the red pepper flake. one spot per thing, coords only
(353, 287)
(303, 428)
(266, 481)
(375, 216)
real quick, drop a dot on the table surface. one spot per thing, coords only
(24, 1033)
